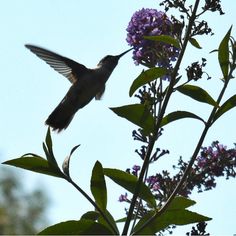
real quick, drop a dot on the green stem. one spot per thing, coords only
(92, 202)
(158, 122)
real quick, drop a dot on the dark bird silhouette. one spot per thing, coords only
(86, 83)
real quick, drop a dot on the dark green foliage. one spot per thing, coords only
(36, 164)
(165, 39)
(146, 77)
(197, 93)
(229, 104)
(176, 115)
(175, 214)
(138, 114)
(129, 182)
(80, 227)
(98, 186)
(195, 43)
(223, 54)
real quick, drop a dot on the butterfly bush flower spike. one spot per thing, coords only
(150, 22)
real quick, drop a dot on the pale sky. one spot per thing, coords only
(86, 31)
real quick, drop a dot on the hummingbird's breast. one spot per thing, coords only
(87, 87)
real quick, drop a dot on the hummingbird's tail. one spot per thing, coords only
(58, 120)
(61, 117)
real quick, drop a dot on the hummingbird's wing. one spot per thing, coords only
(65, 66)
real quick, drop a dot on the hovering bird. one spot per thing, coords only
(86, 83)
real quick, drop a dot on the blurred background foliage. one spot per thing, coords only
(22, 211)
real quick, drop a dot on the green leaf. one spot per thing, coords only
(223, 54)
(197, 93)
(129, 182)
(121, 220)
(48, 140)
(81, 227)
(173, 217)
(47, 154)
(35, 163)
(229, 104)
(96, 216)
(176, 214)
(195, 43)
(90, 215)
(176, 115)
(146, 77)
(66, 162)
(180, 202)
(101, 220)
(98, 186)
(137, 114)
(124, 219)
(47, 147)
(164, 39)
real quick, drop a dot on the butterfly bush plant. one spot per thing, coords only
(157, 202)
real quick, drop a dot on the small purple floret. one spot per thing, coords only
(123, 197)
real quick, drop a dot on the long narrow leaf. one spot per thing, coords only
(111, 220)
(176, 214)
(36, 164)
(229, 104)
(223, 54)
(195, 43)
(90, 215)
(47, 146)
(98, 186)
(197, 94)
(80, 227)
(137, 114)
(176, 115)
(129, 182)
(146, 77)
(180, 202)
(174, 217)
(165, 39)
(48, 141)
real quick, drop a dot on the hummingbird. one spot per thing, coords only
(86, 83)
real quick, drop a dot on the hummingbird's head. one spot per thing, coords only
(111, 62)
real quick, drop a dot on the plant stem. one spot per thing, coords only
(158, 121)
(92, 202)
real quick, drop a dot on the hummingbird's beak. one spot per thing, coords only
(122, 54)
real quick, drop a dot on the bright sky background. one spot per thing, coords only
(86, 31)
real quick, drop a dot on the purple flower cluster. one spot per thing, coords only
(214, 161)
(150, 22)
(217, 160)
(153, 183)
